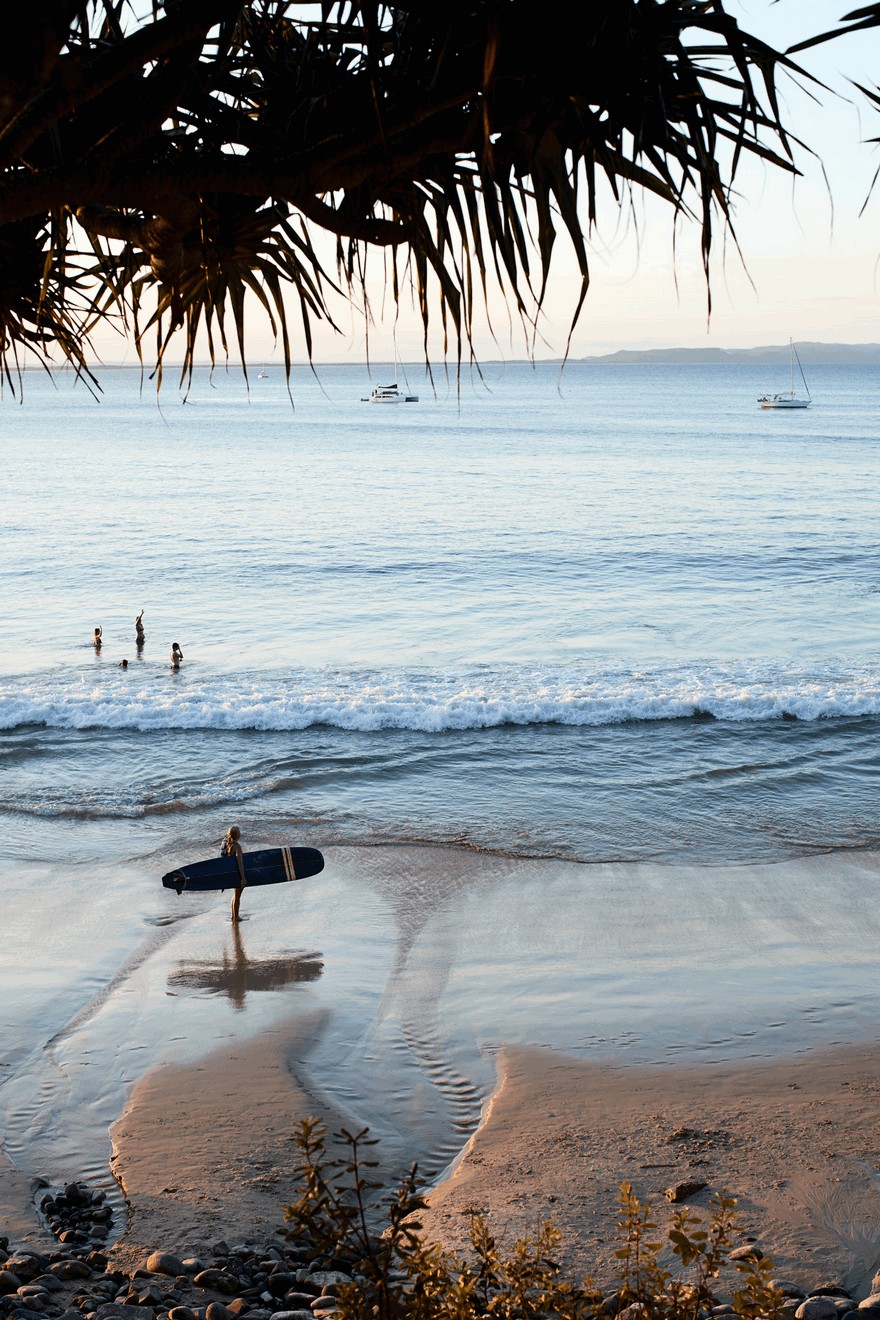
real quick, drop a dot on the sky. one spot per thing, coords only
(809, 247)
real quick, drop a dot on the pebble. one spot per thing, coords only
(162, 1262)
(681, 1191)
(278, 1280)
(817, 1308)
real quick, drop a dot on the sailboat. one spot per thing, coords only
(788, 398)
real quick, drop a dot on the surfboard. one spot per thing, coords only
(269, 866)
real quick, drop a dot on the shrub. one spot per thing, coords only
(398, 1275)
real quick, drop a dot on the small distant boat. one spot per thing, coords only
(390, 394)
(262, 375)
(788, 398)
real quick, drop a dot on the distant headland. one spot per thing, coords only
(818, 354)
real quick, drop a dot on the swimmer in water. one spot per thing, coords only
(176, 655)
(99, 633)
(139, 634)
(123, 664)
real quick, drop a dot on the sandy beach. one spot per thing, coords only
(525, 1039)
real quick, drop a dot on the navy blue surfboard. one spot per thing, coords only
(270, 866)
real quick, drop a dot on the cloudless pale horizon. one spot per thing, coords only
(806, 264)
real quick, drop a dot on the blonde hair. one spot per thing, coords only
(233, 832)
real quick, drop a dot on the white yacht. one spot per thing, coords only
(788, 398)
(390, 394)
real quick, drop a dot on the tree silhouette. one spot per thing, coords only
(163, 163)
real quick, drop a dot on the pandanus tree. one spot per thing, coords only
(163, 164)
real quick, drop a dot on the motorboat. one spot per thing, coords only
(788, 398)
(390, 394)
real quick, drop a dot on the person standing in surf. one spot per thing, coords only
(231, 847)
(99, 635)
(176, 655)
(139, 634)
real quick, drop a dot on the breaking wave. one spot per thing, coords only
(434, 701)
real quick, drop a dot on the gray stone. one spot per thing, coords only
(326, 1303)
(9, 1282)
(327, 1278)
(787, 1288)
(817, 1308)
(24, 1267)
(291, 1315)
(192, 1265)
(681, 1191)
(748, 1252)
(217, 1311)
(873, 1301)
(70, 1269)
(219, 1280)
(115, 1311)
(280, 1282)
(49, 1282)
(181, 1313)
(162, 1262)
(299, 1301)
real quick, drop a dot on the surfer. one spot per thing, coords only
(139, 633)
(99, 632)
(176, 655)
(231, 847)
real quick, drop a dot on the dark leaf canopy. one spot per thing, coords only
(164, 163)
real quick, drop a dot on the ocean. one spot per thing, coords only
(595, 616)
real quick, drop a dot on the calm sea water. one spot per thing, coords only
(617, 613)
(621, 615)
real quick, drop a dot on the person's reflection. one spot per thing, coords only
(235, 974)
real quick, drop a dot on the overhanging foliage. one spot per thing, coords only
(161, 163)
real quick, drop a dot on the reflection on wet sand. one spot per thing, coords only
(234, 975)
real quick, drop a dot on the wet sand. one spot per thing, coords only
(205, 1152)
(616, 1002)
(795, 1141)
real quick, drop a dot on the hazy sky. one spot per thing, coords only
(810, 255)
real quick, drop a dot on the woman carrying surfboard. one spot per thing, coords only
(232, 848)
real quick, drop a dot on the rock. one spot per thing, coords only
(280, 1282)
(325, 1303)
(238, 1307)
(217, 1311)
(788, 1289)
(162, 1262)
(873, 1301)
(219, 1280)
(9, 1282)
(181, 1313)
(324, 1278)
(291, 1315)
(299, 1301)
(26, 1267)
(70, 1269)
(817, 1308)
(831, 1290)
(50, 1282)
(680, 1192)
(748, 1252)
(220, 1249)
(115, 1311)
(192, 1265)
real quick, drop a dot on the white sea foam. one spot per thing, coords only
(435, 701)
